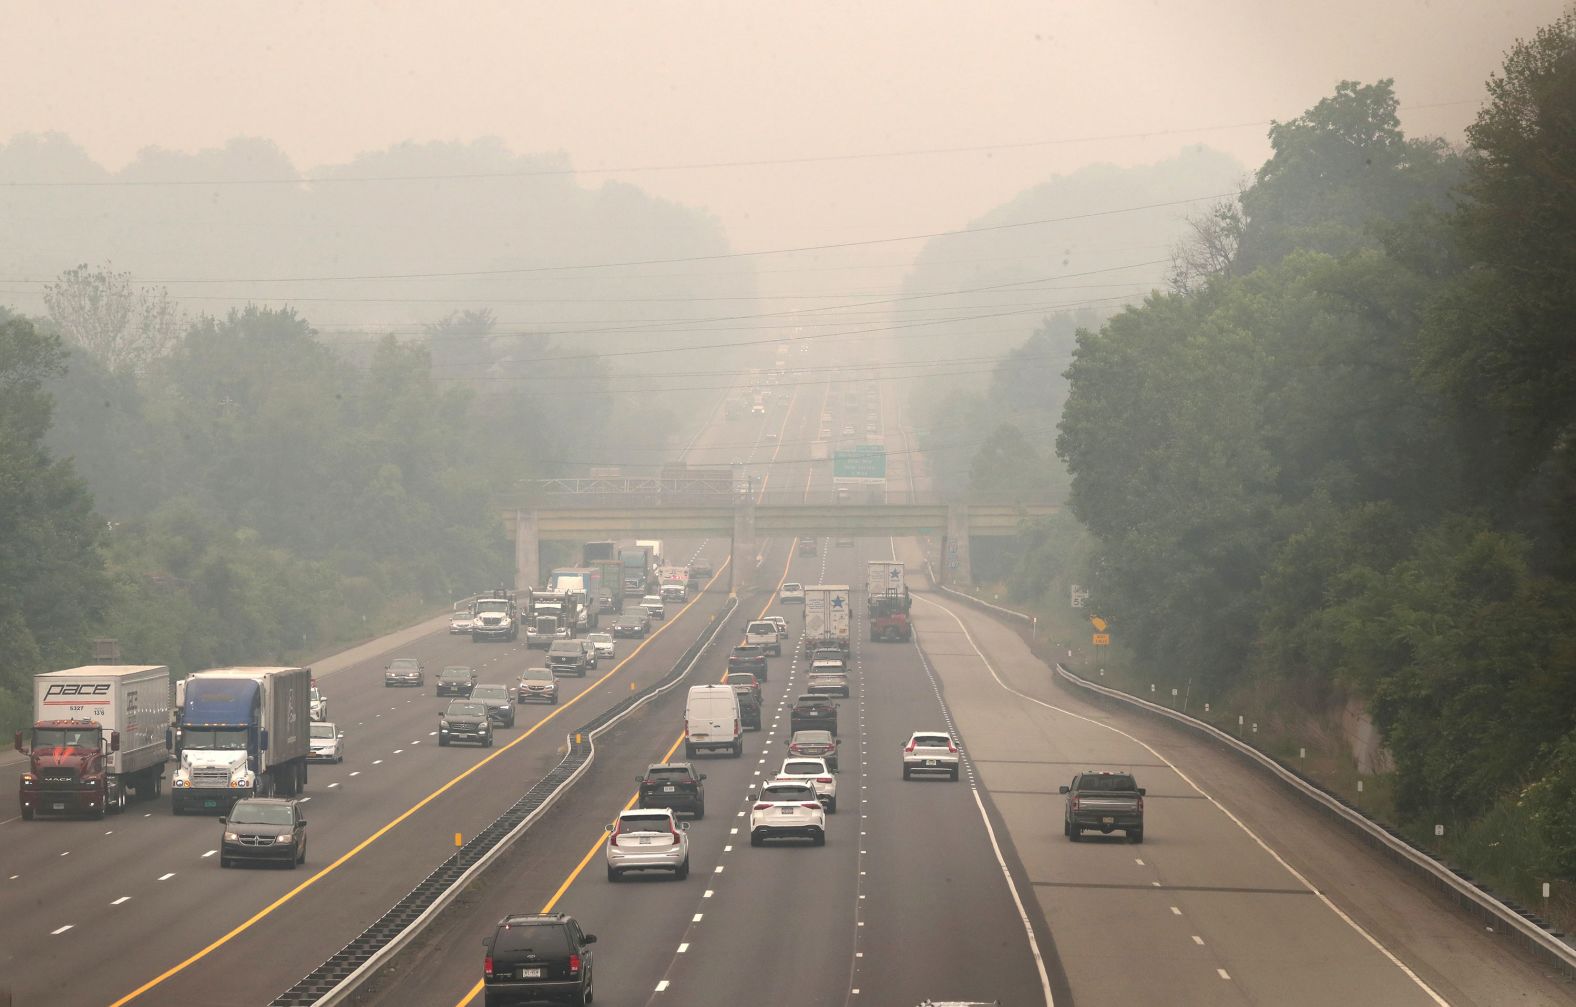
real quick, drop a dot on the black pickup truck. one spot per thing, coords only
(812, 713)
(749, 657)
(1104, 802)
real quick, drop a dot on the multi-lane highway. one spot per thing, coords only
(926, 890)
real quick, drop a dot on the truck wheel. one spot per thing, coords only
(738, 748)
(27, 814)
(689, 750)
(158, 781)
(98, 813)
(1135, 835)
(1074, 833)
(700, 811)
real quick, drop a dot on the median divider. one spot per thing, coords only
(338, 977)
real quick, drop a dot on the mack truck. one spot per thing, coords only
(887, 602)
(244, 733)
(98, 736)
(826, 617)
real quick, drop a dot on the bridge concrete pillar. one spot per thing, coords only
(527, 551)
(956, 570)
(741, 571)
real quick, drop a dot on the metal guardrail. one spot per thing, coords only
(1535, 932)
(339, 976)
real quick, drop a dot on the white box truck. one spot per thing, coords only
(244, 732)
(826, 617)
(98, 735)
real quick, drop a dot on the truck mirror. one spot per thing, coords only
(20, 745)
(169, 739)
(1141, 791)
(1064, 788)
(114, 741)
(221, 819)
(262, 739)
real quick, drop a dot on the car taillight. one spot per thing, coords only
(910, 746)
(823, 779)
(574, 963)
(812, 805)
(762, 806)
(951, 747)
(487, 966)
(686, 727)
(673, 828)
(736, 727)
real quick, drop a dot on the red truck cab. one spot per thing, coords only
(66, 771)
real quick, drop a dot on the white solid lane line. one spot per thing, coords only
(123, 898)
(57, 933)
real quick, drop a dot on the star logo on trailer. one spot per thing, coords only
(837, 603)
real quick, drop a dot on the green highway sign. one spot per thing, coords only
(861, 464)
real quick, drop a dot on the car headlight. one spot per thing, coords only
(443, 725)
(231, 837)
(285, 839)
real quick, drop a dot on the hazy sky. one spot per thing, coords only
(621, 85)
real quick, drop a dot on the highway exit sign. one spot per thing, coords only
(862, 464)
(1102, 639)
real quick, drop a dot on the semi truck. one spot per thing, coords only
(887, 602)
(244, 733)
(495, 617)
(655, 545)
(98, 736)
(638, 566)
(826, 617)
(610, 595)
(584, 584)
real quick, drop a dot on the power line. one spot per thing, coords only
(714, 257)
(689, 166)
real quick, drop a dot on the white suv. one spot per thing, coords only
(791, 594)
(817, 774)
(647, 840)
(763, 633)
(787, 809)
(931, 752)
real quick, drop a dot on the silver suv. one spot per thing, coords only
(539, 685)
(648, 839)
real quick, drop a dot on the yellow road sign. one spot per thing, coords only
(1097, 622)
(1102, 639)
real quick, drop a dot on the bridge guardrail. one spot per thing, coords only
(343, 972)
(1534, 932)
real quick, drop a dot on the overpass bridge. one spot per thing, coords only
(590, 517)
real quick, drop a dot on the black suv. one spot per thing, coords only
(567, 657)
(749, 657)
(812, 713)
(673, 785)
(537, 957)
(456, 680)
(499, 700)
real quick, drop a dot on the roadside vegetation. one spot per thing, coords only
(1338, 459)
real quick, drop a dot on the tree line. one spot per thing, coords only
(240, 491)
(1339, 454)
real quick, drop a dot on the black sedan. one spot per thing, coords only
(268, 829)
(632, 625)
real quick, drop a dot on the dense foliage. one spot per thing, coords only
(254, 495)
(1345, 461)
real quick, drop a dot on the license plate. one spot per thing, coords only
(644, 841)
(531, 973)
(60, 807)
(1107, 821)
(785, 811)
(930, 762)
(667, 790)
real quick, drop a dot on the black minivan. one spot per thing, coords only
(537, 957)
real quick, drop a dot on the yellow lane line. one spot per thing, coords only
(374, 837)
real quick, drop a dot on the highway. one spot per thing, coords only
(926, 890)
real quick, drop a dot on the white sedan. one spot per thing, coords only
(328, 743)
(603, 642)
(787, 809)
(817, 774)
(791, 594)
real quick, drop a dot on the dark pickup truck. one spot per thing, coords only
(749, 657)
(812, 713)
(674, 785)
(1104, 802)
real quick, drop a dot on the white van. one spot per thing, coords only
(711, 720)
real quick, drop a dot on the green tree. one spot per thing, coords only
(52, 583)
